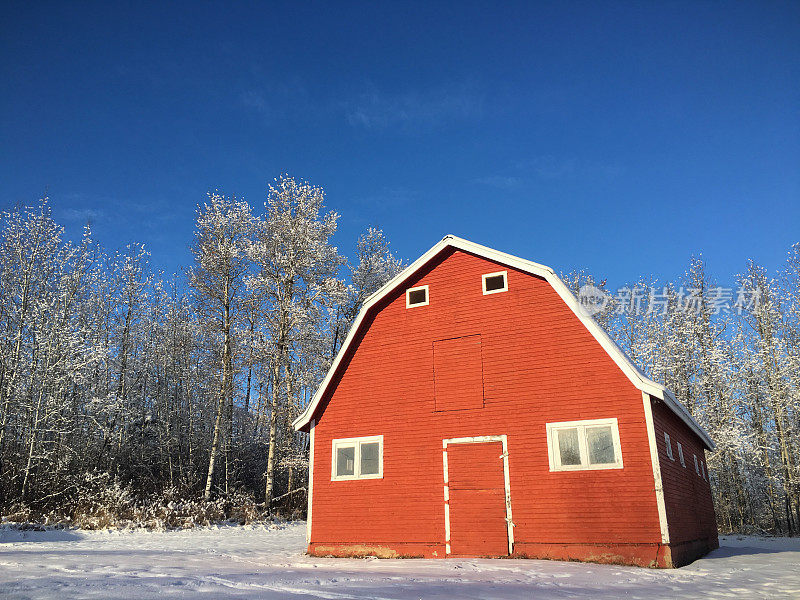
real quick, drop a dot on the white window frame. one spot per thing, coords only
(505, 282)
(356, 444)
(669, 446)
(415, 289)
(680, 455)
(554, 456)
(696, 466)
(703, 470)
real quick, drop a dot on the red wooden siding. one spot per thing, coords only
(540, 365)
(687, 496)
(458, 373)
(477, 499)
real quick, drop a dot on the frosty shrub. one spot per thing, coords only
(102, 502)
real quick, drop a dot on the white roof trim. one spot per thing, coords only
(637, 378)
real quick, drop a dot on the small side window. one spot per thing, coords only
(669, 446)
(417, 296)
(696, 466)
(494, 283)
(680, 455)
(703, 470)
(357, 458)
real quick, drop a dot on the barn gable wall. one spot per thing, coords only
(540, 365)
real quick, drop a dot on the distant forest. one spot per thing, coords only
(131, 396)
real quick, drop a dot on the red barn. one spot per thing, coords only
(476, 410)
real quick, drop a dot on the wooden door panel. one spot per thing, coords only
(475, 465)
(477, 500)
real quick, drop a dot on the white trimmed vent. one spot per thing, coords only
(494, 283)
(417, 296)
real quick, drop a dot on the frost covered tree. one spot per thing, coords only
(295, 280)
(375, 266)
(770, 354)
(46, 283)
(222, 237)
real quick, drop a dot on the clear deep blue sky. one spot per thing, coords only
(621, 137)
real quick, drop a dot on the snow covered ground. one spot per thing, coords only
(259, 562)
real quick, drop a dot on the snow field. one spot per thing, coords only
(268, 562)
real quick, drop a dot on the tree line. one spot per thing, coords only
(186, 386)
(178, 386)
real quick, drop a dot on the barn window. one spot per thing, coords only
(669, 446)
(696, 466)
(495, 282)
(680, 455)
(703, 469)
(578, 445)
(357, 458)
(417, 296)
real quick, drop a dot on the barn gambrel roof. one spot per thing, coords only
(636, 377)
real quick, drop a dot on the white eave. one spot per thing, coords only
(637, 378)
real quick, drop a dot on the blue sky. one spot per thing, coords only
(620, 137)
